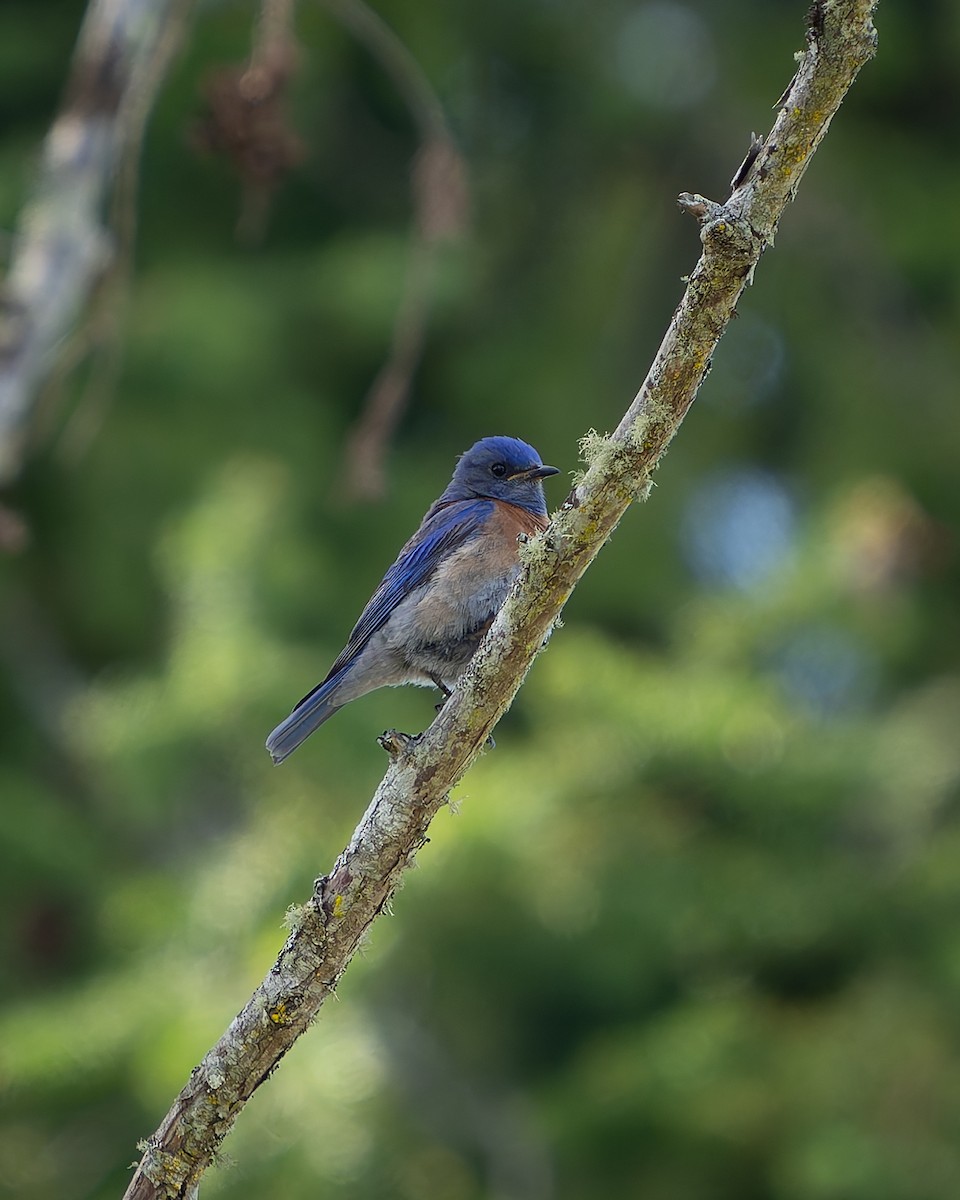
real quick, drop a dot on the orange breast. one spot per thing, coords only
(514, 520)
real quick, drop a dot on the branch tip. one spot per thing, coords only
(699, 206)
(396, 743)
(743, 171)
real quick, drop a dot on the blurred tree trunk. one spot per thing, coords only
(63, 244)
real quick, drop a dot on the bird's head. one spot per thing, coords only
(501, 468)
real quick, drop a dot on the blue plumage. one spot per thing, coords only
(425, 620)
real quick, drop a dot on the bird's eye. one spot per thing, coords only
(499, 470)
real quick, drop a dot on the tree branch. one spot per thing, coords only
(328, 928)
(62, 246)
(441, 203)
(440, 214)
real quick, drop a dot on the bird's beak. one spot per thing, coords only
(536, 473)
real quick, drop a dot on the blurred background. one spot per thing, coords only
(693, 930)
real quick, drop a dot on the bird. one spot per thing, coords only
(425, 620)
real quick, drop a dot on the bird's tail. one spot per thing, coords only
(310, 714)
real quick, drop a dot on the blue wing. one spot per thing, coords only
(443, 530)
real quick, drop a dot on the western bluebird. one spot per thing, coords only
(425, 620)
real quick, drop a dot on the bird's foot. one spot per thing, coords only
(395, 742)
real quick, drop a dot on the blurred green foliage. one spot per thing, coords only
(692, 934)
